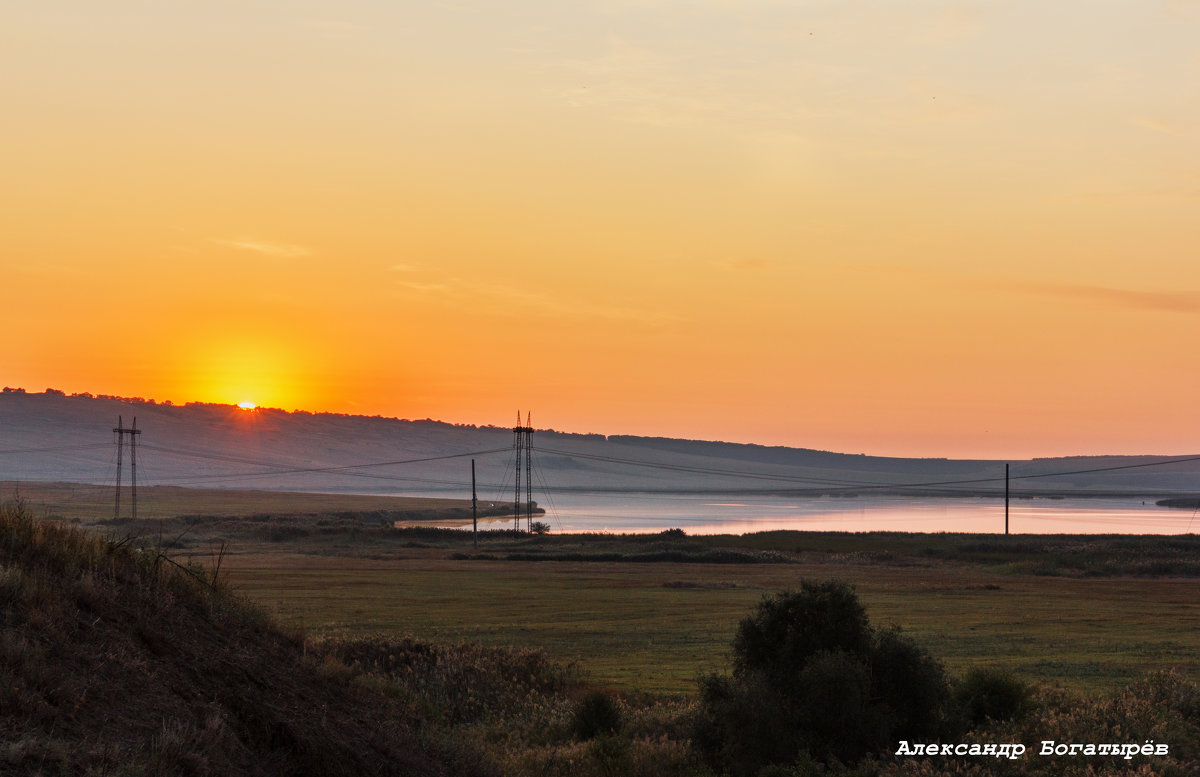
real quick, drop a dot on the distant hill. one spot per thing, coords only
(55, 437)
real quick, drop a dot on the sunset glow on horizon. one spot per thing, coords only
(921, 229)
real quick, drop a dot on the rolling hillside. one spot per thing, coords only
(54, 437)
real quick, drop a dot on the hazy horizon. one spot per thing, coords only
(248, 415)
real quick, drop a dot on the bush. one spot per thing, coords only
(739, 728)
(812, 679)
(911, 683)
(787, 629)
(990, 695)
(595, 714)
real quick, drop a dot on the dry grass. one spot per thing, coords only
(114, 660)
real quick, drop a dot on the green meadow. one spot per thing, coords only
(651, 612)
(654, 626)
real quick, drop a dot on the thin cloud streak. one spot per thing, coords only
(745, 264)
(1155, 301)
(1162, 127)
(267, 248)
(427, 287)
(536, 303)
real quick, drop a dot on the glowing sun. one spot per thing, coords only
(247, 405)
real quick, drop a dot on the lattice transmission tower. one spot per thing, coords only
(133, 432)
(523, 445)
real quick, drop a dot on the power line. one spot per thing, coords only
(549, 499)
(57, 448)
(286, 469)
(696, 470)
(1110, 469)
(852, 484)
(827, 484)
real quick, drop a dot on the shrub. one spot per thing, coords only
(739, 727)
(812, 679)
(990, 694)
(595, 714)
(911, 683)
(787, 629)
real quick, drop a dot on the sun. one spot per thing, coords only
(248, 373)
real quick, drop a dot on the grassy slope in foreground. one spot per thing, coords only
(116, 661)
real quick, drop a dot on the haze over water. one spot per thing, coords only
(710, 514)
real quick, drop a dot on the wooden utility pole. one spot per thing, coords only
(133, 433)
(1005, 499)
(120, 432)
(474, 507)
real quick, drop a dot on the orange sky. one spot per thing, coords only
(946, 229)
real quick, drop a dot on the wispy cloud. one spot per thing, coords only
(266, 247)
(1162, 127)
(573, 308)
(332, 28)
(427, 287)
(1181, 9)
(744, 264)
(1156, 301)
(509, 298)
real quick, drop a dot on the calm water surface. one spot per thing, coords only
(708, 514)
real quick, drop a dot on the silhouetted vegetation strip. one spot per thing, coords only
(1055, 555)
(1106, 556)
(679, 556)
(1190, 502)
(1067, 555)
(365, 517)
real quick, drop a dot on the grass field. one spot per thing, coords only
(1088, 612)
(655, 627)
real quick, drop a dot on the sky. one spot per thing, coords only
(904, 229)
